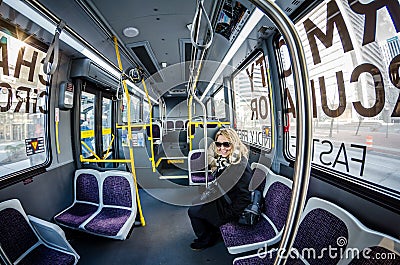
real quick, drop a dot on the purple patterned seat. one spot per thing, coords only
(179, 125)
(330, 235)
(170, 125)
(156, 131)
(86, 200)
(268, 230)
(196, 169)
(199, 178)
(108, 221)
(118, 207)
(21, 244)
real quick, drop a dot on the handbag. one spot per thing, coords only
(251, 214)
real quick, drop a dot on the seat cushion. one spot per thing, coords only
(201, 178)
(76, 215)
(47, 256)
(235, 234)
(108, 221)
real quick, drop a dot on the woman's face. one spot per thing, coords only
(224, 147)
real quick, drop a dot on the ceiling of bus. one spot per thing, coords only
(163, 33)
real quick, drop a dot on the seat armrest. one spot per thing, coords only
(51, 234)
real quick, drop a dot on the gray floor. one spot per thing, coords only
(164, 240)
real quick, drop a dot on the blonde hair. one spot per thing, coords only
(239, 150)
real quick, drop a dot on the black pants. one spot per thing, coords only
(205, 221)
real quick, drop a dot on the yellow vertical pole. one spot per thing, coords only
(132, 158)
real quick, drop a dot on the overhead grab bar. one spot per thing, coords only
(302, 164)
(196, 25)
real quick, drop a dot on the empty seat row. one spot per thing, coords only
(25, 239)
(175, 125)
(328, 235)
(104, 204)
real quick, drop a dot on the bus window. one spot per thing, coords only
(352, 68)
(209, 108)
(135, 109)
(23, 106)
(106, 127)
(252, 101)
(219, 104)
(146, 112)
(87, 124)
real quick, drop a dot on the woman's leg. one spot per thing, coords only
(204, 219)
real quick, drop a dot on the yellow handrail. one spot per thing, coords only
(109, 146)
(90, 150)
(132, 159)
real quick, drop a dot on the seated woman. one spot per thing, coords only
(233, 175)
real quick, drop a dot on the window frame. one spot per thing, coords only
(28, 173)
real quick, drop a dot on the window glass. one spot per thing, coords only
(135, 109)
(252, 100)
(219, 104)
(23, 106)
(146, 112)
(209, 109)
(106, 126)
(354, 78)
(87, 124)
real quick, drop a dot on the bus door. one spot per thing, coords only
(96, 126)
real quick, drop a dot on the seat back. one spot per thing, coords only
(170, 125)
(179, 125)
(196, 167)
(118, 189)
(365, 246)
(87, 186)
(323, 226)
(156, 131)
(326, 225)
(277, 193)
(16, 234)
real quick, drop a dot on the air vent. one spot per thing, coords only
(296, 2)
(178, 91)
(288, 10)
(145, 55)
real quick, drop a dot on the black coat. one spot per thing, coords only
(238, 191)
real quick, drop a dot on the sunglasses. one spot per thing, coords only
(224, 144)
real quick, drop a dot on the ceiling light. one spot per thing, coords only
(130, 32)
(189, 26)
(164, 64)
